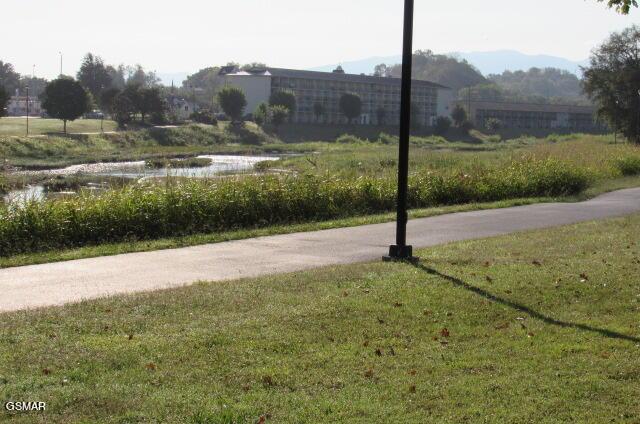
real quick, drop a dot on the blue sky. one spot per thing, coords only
(183, 36)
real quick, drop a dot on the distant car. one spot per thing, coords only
(94, 114)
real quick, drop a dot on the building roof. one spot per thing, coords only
(329, 76)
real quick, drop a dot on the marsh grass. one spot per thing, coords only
(183, 207)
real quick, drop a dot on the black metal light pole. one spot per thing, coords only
(401, 251)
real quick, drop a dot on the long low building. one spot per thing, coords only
(19, 105)
(380, 96)
(533, 116)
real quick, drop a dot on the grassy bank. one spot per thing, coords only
(493, 331)
(150, 143)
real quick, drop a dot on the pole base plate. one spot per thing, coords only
(400, 254)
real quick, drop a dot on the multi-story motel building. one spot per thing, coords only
(310, 87)
(533, 116)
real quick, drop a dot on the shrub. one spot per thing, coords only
(493, 124)
(442, 126)
(204, 117)
(385, 138)
(629, 165)
(466, 126)
(348, 139)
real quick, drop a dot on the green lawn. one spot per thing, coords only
(539, 327)
(38, 126)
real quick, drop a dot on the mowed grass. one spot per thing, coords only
(39, 126)
(538, 327)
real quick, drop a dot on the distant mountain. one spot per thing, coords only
(494, 62)
(497, 62)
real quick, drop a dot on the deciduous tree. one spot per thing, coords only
(283, 98)
(232, 101)
(65, 99)
(4, 101)
(93, 75)
(622, 6)
(318, 110)
(612, 80)
(351, 106)
(459, 115)
(279, 115)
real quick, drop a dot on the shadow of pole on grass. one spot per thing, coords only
(522, 308)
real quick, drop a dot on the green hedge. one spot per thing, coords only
(183, 207)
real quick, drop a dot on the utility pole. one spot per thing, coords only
(27, 88)
(401, 251)
(60, 63)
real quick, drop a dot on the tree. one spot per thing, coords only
(279, 115)
(9, 78)
(459, 115)
(107, 98)
(283, 98)
(261, 115)
(442, 126)
(122, 109)
(118, 79)
(381, 70)
(4, 101)
(36, 85)
(232, 101)
(318, 110)
(415, 115)
(138, 76)
(622, 6)
(442, 69)
(381, 116)
(351, 106)
(93, 75)
(152, 103)
(493, 124)
(65, 99)
(207, 81)
(612, 80)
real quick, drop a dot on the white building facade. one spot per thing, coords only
(380, 96)
(19, 105)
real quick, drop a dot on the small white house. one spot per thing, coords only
(18, 106)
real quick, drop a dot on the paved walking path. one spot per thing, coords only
(64, 282)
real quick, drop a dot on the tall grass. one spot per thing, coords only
(182, 207)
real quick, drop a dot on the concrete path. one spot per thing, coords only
(59, 283)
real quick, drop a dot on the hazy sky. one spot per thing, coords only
(186, 35)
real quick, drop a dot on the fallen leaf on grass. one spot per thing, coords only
(445, 332)
(151, 366)
(368, 373)
(46, 371)
(378, 352)
(537, 263)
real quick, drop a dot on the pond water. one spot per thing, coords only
(220, 164)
